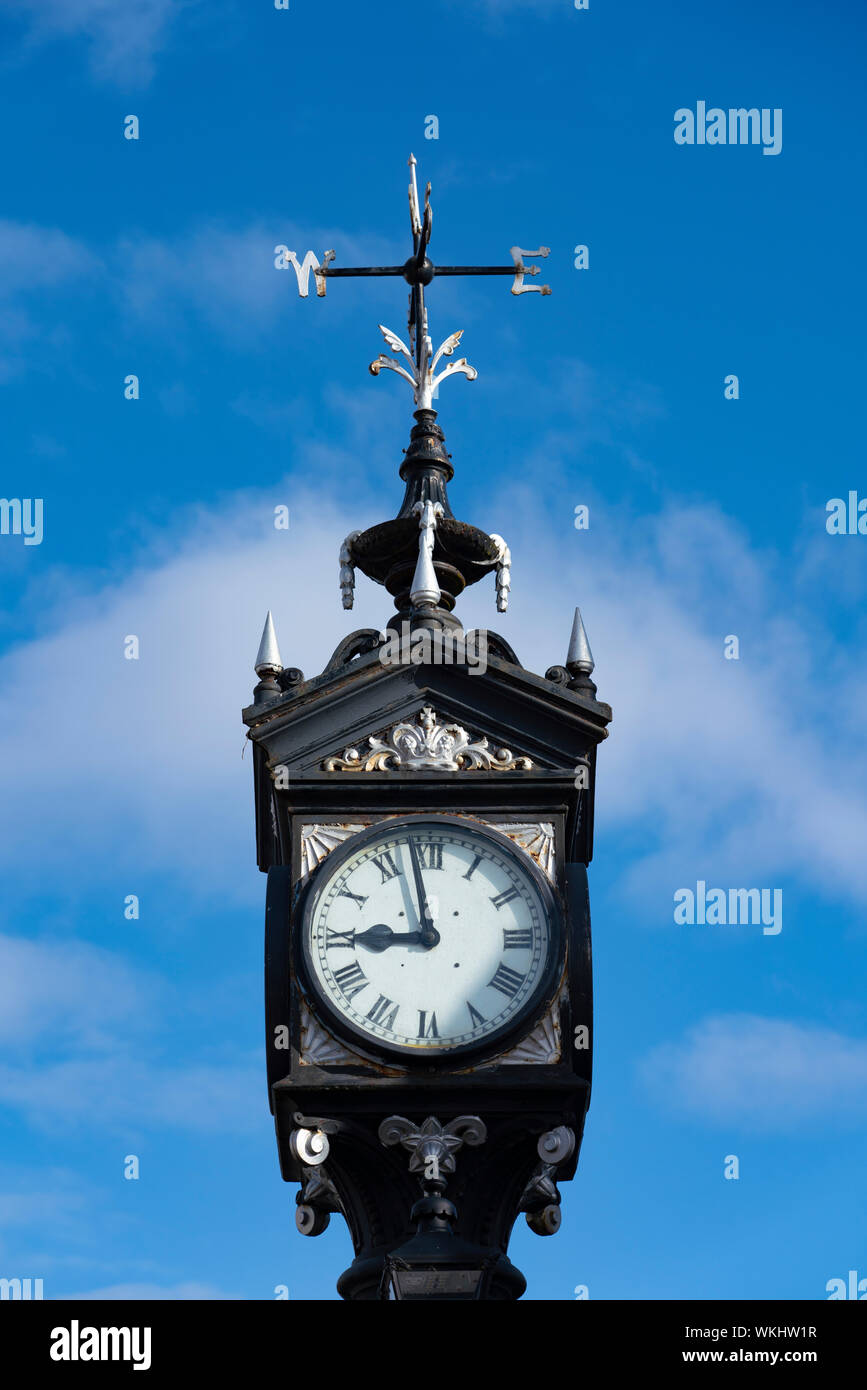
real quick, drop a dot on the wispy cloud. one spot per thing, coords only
(210, 277)
(33, 257)
(226, 276)
(707, 759)
(763, 1073)
(36, 265)
(69, 989)
(122, 1093)
(107, 1021)
(27, 1200)
(46, 1213)
(122, 40)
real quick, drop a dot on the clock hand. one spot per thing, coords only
(380, 937)
(430, 935)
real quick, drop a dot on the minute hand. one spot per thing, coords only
(429, 934)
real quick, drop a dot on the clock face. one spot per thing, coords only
(428, 936)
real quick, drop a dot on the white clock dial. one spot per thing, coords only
(428, 935)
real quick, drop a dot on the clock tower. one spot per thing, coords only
(424, 813)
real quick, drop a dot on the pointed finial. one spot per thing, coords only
(268, 661)
(579, 657)
(424, 588)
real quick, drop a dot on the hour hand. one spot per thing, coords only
(380, 937)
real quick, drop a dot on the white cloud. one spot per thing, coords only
(227, 275)
(36, 1199)
(123, 40)
(66, 989)
(32, 1207)
(123, 1093)
(104, 1018)
(33, 261)
(136, 759)
(725, 769)
(211, 275)
(763, 1073)
(33, 257)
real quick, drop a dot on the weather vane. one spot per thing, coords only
(419, 271)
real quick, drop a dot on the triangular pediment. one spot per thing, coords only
(367, 719)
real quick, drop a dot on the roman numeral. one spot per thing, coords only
(475, 864)
(475, 1017)
(505, 897)
(351, 979)
(425, 1029)
(430, 856)
(379, 1013)
(356, 897)
(386, 866)
(339, 938)
(507, 981)
(514, 938)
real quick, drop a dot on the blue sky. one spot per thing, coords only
(155, 257)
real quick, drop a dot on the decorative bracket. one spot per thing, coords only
(541, 1198)
(317, 1199)
(308, 1142)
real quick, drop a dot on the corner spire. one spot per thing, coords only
(268, 661)
(579, 659)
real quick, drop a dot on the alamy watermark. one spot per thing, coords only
(22, 516)
(77, 1343)
(851, 1288)
(739, 125)
(423, 647)
(720, 907)
(846, 517)
(20, 1289)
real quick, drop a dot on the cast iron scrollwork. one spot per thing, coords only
(540, 1199)
(432, 1146)
(318, 1197)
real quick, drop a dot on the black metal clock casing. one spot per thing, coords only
(313, 803)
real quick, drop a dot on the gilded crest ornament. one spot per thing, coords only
(427, 744)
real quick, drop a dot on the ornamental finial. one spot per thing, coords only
(579, 659)
(422, 374)
(268, 661)
(425, 588)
